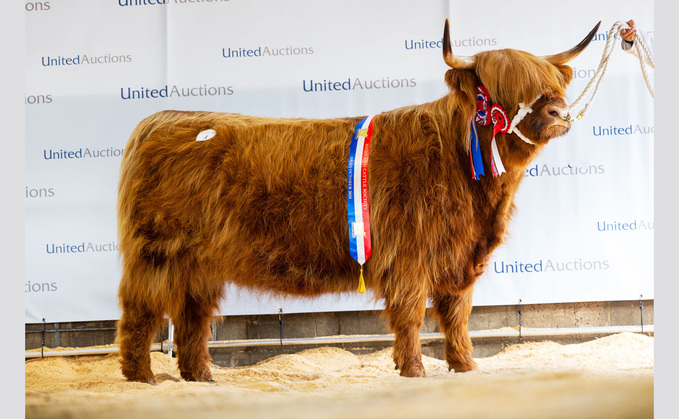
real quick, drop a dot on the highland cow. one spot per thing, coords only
(262, 204)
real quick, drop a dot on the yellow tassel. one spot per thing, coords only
(361, 283)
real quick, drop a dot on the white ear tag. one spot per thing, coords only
(206, 135)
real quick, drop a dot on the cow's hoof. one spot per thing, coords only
(143, 379)
(462, 366)
(413, 368)
(204, 376)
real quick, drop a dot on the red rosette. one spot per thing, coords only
(499, 118)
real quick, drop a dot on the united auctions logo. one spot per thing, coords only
(411, 44)
(266, 52)
(39, 192)
(175, 91)
(637, 129)
(550, 266)
(37, 6)
(634, 225)
(40, 286)
(84, 59)
(583, 73)
(603, 36)
(89, 247)
(566, 170)
(349, 84)
(35, 99)
(81, 153)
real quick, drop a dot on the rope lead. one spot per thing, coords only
(642, 51)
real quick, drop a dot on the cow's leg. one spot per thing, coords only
(406, 317)
(192, 335)
(453, 311)
(136, 329)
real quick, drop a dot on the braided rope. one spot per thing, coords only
(642, 52)
(645, 56)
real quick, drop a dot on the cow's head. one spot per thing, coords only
(513, 77)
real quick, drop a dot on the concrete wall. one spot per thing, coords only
(312, 325)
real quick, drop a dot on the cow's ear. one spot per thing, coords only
(566, 72)
(462, 83)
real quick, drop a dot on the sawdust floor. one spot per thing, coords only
(611, 377)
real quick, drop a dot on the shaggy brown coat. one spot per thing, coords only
(263, 205)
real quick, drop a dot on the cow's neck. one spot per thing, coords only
(453, 120)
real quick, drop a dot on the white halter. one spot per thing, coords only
(523, 111)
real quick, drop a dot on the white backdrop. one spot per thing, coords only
(584, 226)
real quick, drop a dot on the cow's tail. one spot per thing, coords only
(136, 274)
(130, 174)
(131, 170)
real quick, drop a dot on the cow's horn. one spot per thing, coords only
(461, 63)
(564, 57)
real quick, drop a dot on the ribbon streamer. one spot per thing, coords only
(475, 151)
(357, 195)
(500, 124)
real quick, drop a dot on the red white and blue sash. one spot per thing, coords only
(357, 195)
